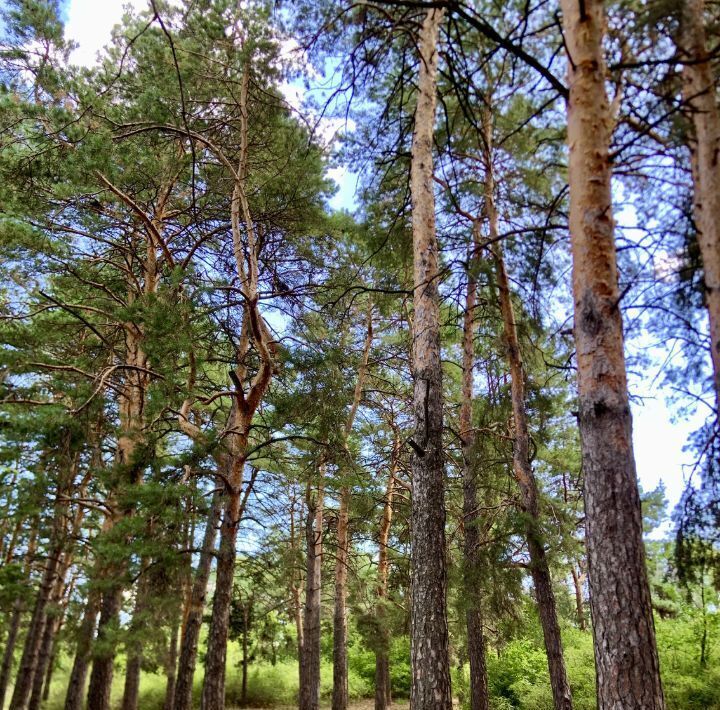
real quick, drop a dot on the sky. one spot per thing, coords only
(658, 440)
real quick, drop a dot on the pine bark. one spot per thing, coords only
(81, 663)
(479, 696)
(34, 635)
(430, 662)
(309, 693)
(193, 619)
(213, 692)
(9, 651)
(103, 655)
(700, 95)
(626, 657)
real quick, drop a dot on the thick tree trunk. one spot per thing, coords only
(429, 653)
(9, 651)
(522, 466)
(131, 690)
(309, 694)
(383, 691)
(700, 94)
(103, 655)
(193, 620)
(479, 697)
(340, 669)
(626, 660)
(78, 675)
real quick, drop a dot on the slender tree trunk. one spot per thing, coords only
(35, 631)
(342, 557)
(133, 662)
(340, 669)
(430, 661)
(53, 623)
(479, 697)
(9, 652)
(382, 648)
(309, 695)
(626, 660)
(49, 631)
(700, 94)
(78, 675)
(522, 466)
(213, 692)
(579, 606)
(193, 619)
(295, 583)
(246, 621)
(171, 667)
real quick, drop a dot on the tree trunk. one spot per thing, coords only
(246, 621)
(213, 692)
(383, 693)
(626, 660)
(429, 630)
(522, 466)
(342, 556)
(131, 690)
(171, 667)
(193, 619)
(309, 694)
(78, 675)
(295, 582)
(479, 698)
(46, 646)
(340, 669)
(133, 649)
(9, 651)
(700, 96)
(35, 632)
(579, 606)
(98, 697)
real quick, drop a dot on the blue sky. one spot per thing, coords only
(659, 441)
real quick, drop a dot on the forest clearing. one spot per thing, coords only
(359, 354)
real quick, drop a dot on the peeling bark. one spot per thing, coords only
(626, 660)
